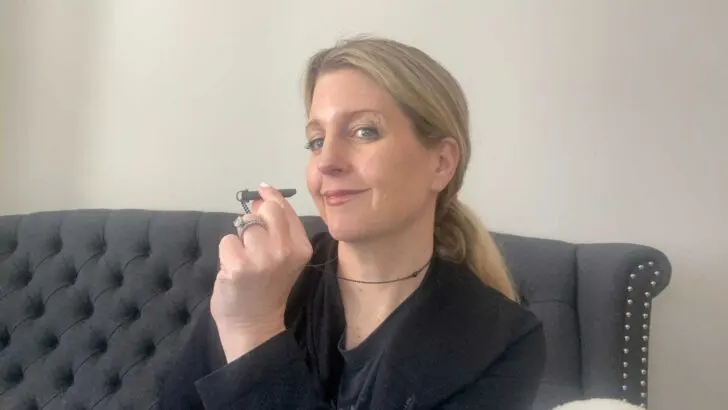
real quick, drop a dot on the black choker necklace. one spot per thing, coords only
(410, 276)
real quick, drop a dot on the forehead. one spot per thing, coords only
(348, 90)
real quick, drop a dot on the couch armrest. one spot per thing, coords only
(616, 284)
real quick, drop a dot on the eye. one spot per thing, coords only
(367, 132)
(314, 144)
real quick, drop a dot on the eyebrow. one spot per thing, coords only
(348, 115)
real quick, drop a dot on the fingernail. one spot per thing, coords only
(264, 185)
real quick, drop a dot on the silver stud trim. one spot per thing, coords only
(638, 341)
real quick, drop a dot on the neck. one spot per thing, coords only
(392, 256)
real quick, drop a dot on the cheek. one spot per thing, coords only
(396, 177)
(313, 179)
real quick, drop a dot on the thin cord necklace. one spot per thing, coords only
(410, 276)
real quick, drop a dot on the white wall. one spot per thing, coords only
(44, 50)
(592, 121)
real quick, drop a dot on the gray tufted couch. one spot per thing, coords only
(94, 305)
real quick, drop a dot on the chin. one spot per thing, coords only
(347, 232)
(349, 229)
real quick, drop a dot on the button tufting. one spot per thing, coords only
(164, 282)
(87, 309)
(145, 249)
(57, 245)
(83, 308)
(4, 337)
(100, 345)
(183, 316)
(117, 279)
(132, 313)
(147, 349)
(36, 309)
(30, 404)
(49, 341)
(194, 252)
(23, 277)
(13, 374)
(113, 383)
(64, 378)
(13, 245)
(71, 275)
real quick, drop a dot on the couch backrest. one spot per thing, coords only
(544, 272)
(94, 304)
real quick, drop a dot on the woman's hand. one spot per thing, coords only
(258, 268)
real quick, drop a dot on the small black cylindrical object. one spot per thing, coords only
(248, 195)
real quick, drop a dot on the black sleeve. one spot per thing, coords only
(198, 357)
(509, 383)
(272, 376)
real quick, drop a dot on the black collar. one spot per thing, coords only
(447, 343)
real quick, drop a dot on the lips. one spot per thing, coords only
(342, 196)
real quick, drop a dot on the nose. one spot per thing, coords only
(332, 158)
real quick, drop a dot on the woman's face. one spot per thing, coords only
(368, 173)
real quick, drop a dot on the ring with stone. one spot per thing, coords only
(242, 224)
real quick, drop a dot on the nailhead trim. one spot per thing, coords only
(636, 331)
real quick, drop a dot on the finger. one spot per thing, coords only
(296, 227)
(255, 205)
(232, 256)
(253, 236)
(275, 218)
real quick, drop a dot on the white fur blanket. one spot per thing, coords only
(598, 404)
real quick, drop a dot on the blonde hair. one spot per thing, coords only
(435, 104)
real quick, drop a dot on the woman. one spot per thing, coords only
(405, 302)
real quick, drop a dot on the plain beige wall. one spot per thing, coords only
(592, 121)
(44, 52)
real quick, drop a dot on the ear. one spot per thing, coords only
(446, 160)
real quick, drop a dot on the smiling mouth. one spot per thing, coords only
(340, 197)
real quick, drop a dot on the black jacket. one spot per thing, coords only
(465, 346)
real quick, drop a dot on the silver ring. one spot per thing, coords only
(242, 224)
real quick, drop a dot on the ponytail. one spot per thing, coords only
(460, 237)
